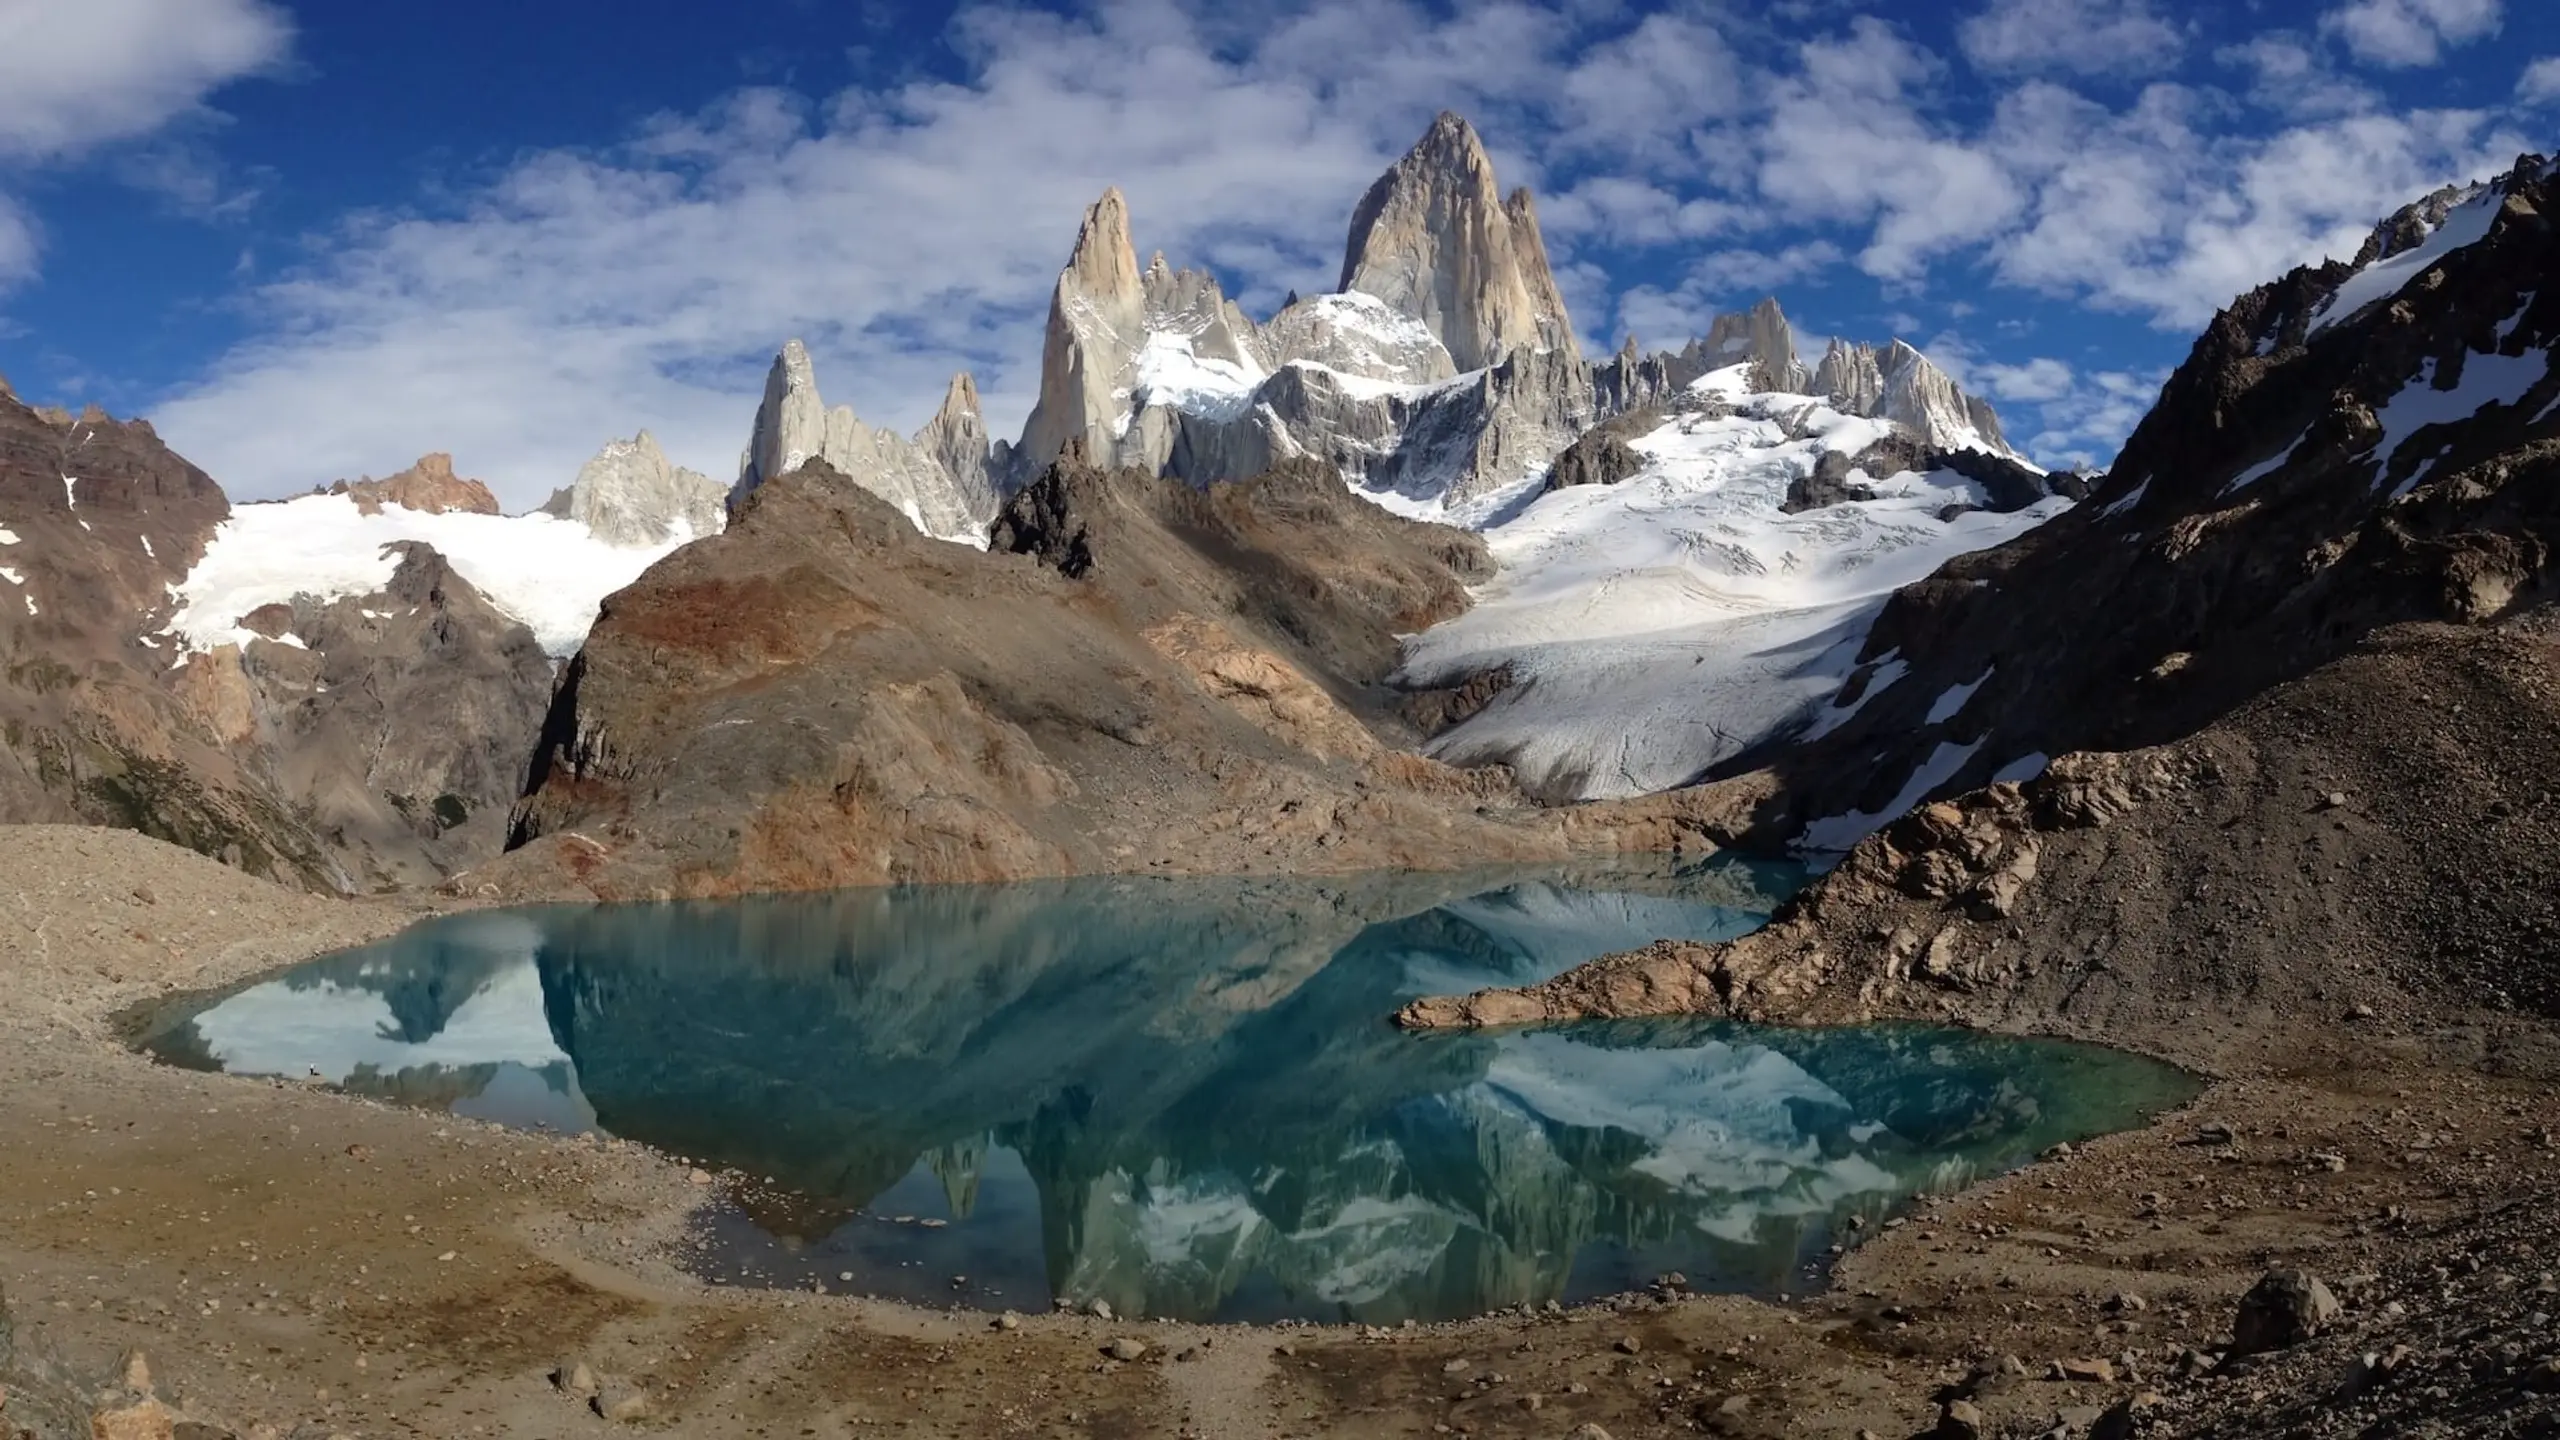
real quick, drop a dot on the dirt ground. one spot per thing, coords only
(291, 1258)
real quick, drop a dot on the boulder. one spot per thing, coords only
(2285, 1308)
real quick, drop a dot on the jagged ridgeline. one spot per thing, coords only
(1442, 377)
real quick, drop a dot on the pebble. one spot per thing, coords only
(1630, 1345)
(1099, 1309)
(699, 1177)
(1127, 1347)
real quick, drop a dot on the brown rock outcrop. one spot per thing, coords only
(429, 487)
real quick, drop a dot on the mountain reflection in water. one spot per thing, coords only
(1182, 1096)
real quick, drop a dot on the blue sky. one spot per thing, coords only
(314, 241)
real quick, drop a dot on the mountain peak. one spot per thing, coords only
(1762, 337)
(1435, 238)
(1104, 262)
(631, 495)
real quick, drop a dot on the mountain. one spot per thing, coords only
(2348, 447)
(1435, 240)
(630, 495)
(936, 480)
(1702, 573)
(1443, 379)
(367, 741)
(1137, 676)
(429, 487)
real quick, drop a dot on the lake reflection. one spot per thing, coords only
(1182, 1096)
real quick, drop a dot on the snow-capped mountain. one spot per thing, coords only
(2347, 447)
(1442, 379)
(1716, 595)
(548, 569)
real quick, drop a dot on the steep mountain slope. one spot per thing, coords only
(1703, 578)
(2347, 447)
(97, 520)
(313, 690)
(1139, 676)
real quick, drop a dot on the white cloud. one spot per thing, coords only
(1846, 144)
(913, 231)
(2404, 33)
(76, 77)
(2084, 37)
(1719, 281)
(905, 234)
(2151, 210)
(2038, 380)
(2294, 77)
(2540, 83)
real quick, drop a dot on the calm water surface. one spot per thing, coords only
(1180, 1096)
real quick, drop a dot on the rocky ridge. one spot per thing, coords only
(2341, 451)
(936, 480)
(429, 487)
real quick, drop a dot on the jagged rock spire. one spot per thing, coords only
(1761, 336)
(1097, 320)
(794, 426)
(1435, 239)
(791, 424)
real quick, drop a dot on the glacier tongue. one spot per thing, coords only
(1656, 627)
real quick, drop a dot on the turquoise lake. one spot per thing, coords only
(1181, 1096)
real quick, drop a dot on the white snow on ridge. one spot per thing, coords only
(2465, 224)
(2266, 467)
(548, 572)
(1657, 626)
(1948, 705)
(1840, 833)
(8, 536)
(1169, 373)
(2486, 380)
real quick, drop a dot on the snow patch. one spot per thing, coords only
(1950, 704)
(545, 571)
(1840, 833)
(2487, 379)
(147, 550)
(1890, 668)
(8, 536)
(2126, 501)
(1663, 624)
(2464, 225)
(2508, 326)
(2027, 767)
(12, 576)
(2265, 468)
(1171, 373)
